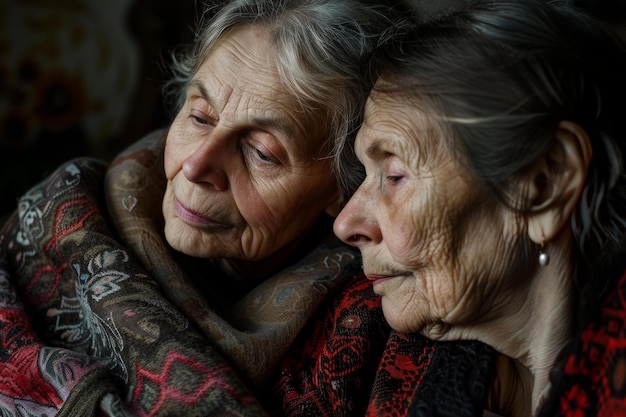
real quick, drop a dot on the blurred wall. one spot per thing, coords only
(80, 77)
(83, 77)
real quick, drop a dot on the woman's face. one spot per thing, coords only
(435, 245)
(246, 174)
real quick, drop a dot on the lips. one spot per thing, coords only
(379, 279)
(189, 216)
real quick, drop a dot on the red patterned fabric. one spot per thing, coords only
(350, 363)
(593, 379)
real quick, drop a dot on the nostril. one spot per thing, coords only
(358, 238)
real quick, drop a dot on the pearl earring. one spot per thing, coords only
(543, 257)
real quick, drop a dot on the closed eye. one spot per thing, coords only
(264, 157)
(394, 179)
(259, 158)
(200, 120)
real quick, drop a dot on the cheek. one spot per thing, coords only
(265, 204)
(404, 241)
(290, 203)
(173, 155)
(171, 159)
(496, 247)
(308, 191)
(255, 209)
(170, 163)
(178, 136)
(410, 223)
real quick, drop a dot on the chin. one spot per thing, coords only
(178, 246)
(402, 324)
(395, 322)
(181, 242)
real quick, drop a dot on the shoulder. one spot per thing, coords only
(80, 177)
(147, 151)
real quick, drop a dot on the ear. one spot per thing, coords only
(557, 180)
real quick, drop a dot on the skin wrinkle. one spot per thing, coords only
(215, 161)
(299, 125)
(244, 59)
(418, 223)
(525, 147)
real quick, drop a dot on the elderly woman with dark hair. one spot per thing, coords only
(494, 207)
(171, 281)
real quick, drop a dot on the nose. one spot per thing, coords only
(207, 164)
(355, 225)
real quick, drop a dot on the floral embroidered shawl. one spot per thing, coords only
(98, 316)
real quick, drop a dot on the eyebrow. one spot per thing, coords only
(281, 123)
(201, 88)
(374, 149)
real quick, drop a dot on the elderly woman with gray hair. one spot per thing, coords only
(491, 220)
(494, 208)
(171, 281)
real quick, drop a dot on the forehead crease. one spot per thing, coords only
(405, 128)
(248, 47)
(267, 110)
(384, 137)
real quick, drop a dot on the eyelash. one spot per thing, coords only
(394, 179)
(253, 152)
(389, 180)
(200, 120)
(264, 158)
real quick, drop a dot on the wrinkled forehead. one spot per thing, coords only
(403, 91)
(404, 124)
(245, 62)
(392, 107)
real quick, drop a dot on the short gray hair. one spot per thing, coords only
(321, 46)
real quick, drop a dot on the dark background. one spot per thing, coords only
(80, 78)
(84, 77)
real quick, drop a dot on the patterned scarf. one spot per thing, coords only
(99, 316)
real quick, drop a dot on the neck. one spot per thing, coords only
(538, 325)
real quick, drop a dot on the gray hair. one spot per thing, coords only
(320, 45)
(503, 74)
